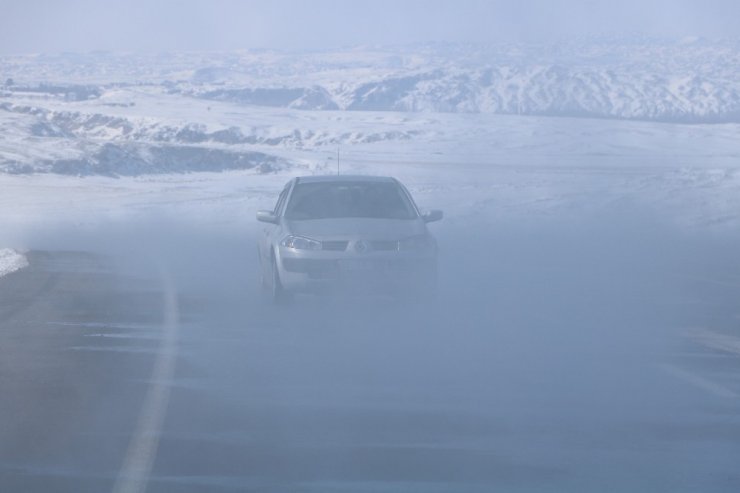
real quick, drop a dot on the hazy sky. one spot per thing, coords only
(151, 25)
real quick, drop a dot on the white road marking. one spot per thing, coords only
(699, 382)
(137, 465)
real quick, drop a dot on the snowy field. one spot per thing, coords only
(503, 131)
(469, 165)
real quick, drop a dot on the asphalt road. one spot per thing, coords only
(565, 361)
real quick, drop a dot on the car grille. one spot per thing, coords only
(375, 245)
(334, 246)
(356, 268)
(315, 268)
(384, 246)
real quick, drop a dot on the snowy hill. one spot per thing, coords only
(687, 81)
(690, 80)
(127, 114)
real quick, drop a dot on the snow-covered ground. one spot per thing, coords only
(11, 261)
(467, 164)
(128, 114)
(99, 137)
(688, 79)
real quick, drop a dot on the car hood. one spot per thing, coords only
(362, 228)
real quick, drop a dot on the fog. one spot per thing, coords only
(43, 26)
(538, 367)
(583, 333)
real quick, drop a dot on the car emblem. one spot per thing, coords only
(361, 246)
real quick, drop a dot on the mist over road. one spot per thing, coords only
(575, 354)
(586, 333)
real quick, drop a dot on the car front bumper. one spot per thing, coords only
(376, 272)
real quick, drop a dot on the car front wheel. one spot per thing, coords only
(278, 294)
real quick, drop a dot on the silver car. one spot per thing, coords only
(356, 234)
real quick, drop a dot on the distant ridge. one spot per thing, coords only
(690, 80)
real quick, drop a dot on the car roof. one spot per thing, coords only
(343, 179)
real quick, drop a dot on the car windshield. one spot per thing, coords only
(382, 200)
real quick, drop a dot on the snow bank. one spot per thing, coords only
(11, 261)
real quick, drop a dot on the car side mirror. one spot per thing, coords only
(267, 217)
(433, 215)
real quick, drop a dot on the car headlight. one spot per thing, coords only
(300, 243)
(416, 243)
